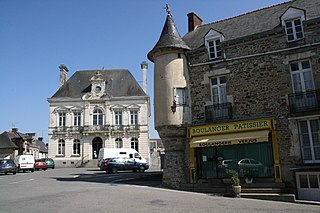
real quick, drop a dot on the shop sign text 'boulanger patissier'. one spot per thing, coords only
(230, 127)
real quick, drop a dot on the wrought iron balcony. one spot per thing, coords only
(218, 112)
(304, 101)
(117, 128)
(133, 127)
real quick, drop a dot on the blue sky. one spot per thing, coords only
(36, 36)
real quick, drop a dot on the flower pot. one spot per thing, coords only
(236, 190)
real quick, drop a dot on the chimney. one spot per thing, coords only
(144, 67)
(15, 130)
(193, 21)
(40, 138)
(63, 74)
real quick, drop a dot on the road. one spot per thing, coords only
(90, 190)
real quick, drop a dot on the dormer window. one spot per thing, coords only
(213, 43)
(292, 21)
(294, 30)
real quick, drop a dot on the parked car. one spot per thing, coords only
(40, 164)
(112, 165)
(50, 163)
(8, 166)
(25, 163)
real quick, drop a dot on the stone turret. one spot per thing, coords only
(171, 107)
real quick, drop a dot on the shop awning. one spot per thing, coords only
(231, 139)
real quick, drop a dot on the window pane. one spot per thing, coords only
(307, 154)
(305, 64)
(214, 81)
(288, 24)
(317, 153)
(297, 22)
(313, 181)
(294, 66)
(290, 31)
(223, 80)
(303, 181)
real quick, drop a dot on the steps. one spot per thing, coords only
(265, 189)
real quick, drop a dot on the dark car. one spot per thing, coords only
(40, 164)
(8, 166)
(112, 165)
(50, 163)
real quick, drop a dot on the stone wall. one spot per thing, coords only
(176, 165)
(258, 81)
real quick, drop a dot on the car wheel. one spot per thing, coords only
(36, 169)
(14, 173)
(114, 170)
(6, 173)
(32, 170)
(142, 169)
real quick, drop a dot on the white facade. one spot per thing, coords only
(80, 126)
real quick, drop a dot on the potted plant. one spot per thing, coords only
(235, 181)
(248, 177)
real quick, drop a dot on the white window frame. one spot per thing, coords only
(294, 28)
(291, 15)
(135, 144)
(301, 72)
(62, 119)
(133, 117)
(119, 143)
(118, 118)
(76, 147)
(180, 96)
(213, 41)
(311, 146)
(221, 88)
(97, 117)
(61, 147)
(77, 118)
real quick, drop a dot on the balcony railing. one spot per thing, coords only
(304, 101)
(133, 127)
(80, 129)
(218, 112)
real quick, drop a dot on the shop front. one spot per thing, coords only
(248, 147)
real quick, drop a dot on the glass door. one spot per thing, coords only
(208, 163)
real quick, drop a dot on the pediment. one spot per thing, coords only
(292, 13)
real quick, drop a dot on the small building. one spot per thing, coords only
(96, 109)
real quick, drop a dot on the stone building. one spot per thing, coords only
(242, 94)
(96, 109)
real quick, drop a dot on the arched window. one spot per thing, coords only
(119, 143)
(135, 144)
(61, 147)
(97, 117)
(76, 147)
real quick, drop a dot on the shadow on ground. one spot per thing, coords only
(149, 178)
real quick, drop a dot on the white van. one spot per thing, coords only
(119, 152)
(25, 162)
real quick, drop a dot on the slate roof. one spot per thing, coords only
(257, 21)
(5, 141)
(42, 146)
(169, 38)
(120, 82)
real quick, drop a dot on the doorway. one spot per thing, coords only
(96, 146)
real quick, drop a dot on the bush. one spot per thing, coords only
(235, 181)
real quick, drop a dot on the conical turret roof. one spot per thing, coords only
(169, 38)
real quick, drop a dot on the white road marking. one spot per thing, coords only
(22, 181)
